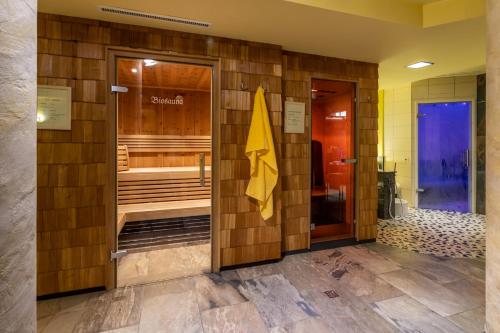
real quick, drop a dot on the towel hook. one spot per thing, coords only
(266, 89)
(243, 86)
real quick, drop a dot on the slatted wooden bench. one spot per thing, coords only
(142, 185)
(163, 192)
(165, 143)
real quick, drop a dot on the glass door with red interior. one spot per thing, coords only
(332, 160)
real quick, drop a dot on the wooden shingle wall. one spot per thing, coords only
(298, 69)
(72, 165)
(71, 224)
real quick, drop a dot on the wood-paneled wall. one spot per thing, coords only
(137, 115)
(298, 69)
(71, 225)
(72, 165)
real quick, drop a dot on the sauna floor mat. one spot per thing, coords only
(164, 233)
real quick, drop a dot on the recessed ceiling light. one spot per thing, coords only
(149, 62)
(134, 70)
(420, 64)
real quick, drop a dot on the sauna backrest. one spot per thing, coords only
(162, 185)
(122, 158)
(165, 143)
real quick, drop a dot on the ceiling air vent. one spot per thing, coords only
(130, 12)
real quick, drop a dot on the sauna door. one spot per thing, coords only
(332, 160)
(163, 147)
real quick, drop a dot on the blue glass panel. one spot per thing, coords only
(444, 158)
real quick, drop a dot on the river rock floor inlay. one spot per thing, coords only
(440, 233)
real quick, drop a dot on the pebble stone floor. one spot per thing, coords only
(369, 288)
(441, 233)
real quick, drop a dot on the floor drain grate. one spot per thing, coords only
(331, 293)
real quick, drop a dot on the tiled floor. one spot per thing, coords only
(371, 288)
(436, 232)
(164, 264)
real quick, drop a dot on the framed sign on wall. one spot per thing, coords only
(53, 110)
(294, 117)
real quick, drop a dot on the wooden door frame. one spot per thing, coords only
(112, 53)
(322, 76)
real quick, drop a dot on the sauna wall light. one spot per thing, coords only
(337, 115)
(40, 117)
(149, 62)
(420, 64)
(134, 70)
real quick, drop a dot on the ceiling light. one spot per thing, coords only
(149, 62)
(134, 70)
(420, 64)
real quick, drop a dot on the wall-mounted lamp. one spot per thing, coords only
(149, 62)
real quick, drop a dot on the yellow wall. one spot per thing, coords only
(399, 123)
(397, 137)
(380, 145)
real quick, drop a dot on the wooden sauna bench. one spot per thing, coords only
(159, 193)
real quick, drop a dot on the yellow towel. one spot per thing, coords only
(260, 152)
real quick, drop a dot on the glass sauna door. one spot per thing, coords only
(444, 156)
(332, 160)
(163, 170)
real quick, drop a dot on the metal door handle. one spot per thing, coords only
(420, 190)
(202, 169)
(349, 160)
(467, 158)
(119, 89)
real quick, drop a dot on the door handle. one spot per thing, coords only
(349, 160)
(119, 89)
(467, 158)
(420, 190)
(202, 169)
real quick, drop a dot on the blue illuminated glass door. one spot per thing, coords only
(444, 156)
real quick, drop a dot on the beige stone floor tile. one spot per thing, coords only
(371, 260)
(287, 296)
(63, 322)
(133, 269)
(124, 309)
(175, 286)
(303, 273)
(241, 318)
(174, 312)
(472, 268)
(252, 272)
(214, 291)
(471, 321)
(408, 315)
(63, 304)
(436, 297)
(346, 314)
(277, 301)
(129, 329)
(470, 289)
(164, 264)
(351, 276)
(316, 325)
(42, 323)
(438, 272)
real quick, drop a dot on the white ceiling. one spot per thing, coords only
(455, 48)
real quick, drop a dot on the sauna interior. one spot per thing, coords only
(332, 159)
(163, 166)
